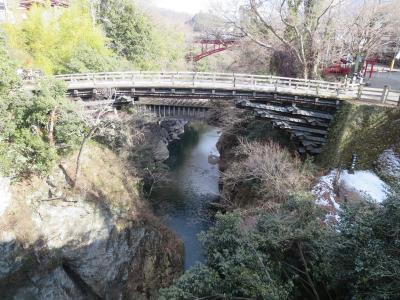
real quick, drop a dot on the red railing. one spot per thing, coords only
(210, 47)
(27, 4)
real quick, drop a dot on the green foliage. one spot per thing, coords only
(195, 283)
(366, 253)
(234, 267)
(279, 258)
(51, 40)
(32, 153)
(133, 36)
(69, 41)
(292, 254)
(8, 76)
(202, 65)
(130, 30)
(85, 59)
(25, 147)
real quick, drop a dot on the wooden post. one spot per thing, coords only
(385, 93)
(359, 93)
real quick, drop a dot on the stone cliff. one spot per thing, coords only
(97, 241)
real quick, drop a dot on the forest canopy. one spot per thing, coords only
(81, 38)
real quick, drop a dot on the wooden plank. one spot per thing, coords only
(268, 115)
(287, 125)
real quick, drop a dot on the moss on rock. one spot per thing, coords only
(364, 130)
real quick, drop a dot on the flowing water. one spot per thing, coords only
(194, 176)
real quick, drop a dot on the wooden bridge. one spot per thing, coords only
(304, 108)
(222, 85)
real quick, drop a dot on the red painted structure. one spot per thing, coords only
(339, 68)
(369, 66)
(210, 47)
(27, 4)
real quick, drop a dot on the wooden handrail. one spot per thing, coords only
(233, 81)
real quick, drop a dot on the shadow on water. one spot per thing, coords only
(193, 184)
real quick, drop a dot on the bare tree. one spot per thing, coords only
(313, 32)
(94, 121)
(367, 24)
(274, 170)
(296, 26)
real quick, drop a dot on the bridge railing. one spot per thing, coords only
(255, 83)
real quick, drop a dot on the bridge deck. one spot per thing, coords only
(221, 84)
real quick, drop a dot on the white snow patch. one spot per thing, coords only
(5, 194)
(367, 183)
(326, 197)
(389, 163)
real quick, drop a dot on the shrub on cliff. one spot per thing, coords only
(261, 173)
(233, 268)
(366, 253)
(33, 129)
(281, 257)
(292, 254)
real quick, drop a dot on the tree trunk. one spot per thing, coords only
(78, 159)
(52, 120)
(305, 71)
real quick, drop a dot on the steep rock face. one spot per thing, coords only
(128, 132)
(162, 134)
(98, 241)
(361, 129)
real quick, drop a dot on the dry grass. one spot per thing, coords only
(263, 172)
(18, 217)
(105, 176)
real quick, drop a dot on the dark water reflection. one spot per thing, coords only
(194, 184)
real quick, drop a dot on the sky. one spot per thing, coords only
(187, 6)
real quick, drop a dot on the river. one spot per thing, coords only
(183, 202)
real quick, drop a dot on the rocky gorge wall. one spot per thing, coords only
(364, 130)
(98, 241)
